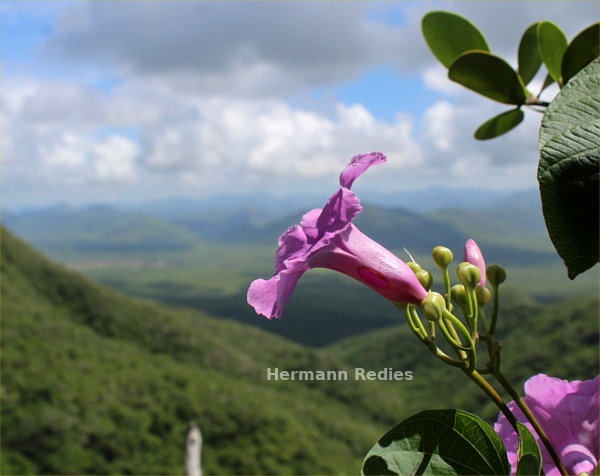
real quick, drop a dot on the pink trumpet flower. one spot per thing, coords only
(326, 238)
(568, 413)
(474, 256)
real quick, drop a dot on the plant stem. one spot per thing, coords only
(447, 286)
(428, 341)
(484, 322)
(413, 326)
(533, 101)
(495, 306)
(494, 396)
(462, 329)
(536, 425)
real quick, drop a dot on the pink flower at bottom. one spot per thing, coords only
(327, 238)
(568, 413)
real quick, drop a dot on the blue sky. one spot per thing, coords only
(123, 101)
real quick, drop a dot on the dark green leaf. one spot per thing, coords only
(581, 51)
(439, 442)
(449, 35)
(568, 170)
(488, 75)
(500, 124)
(553, 43)
(530, 458)
(529, 54)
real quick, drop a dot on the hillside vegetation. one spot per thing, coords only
(96, 383)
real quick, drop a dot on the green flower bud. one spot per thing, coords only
(442, 256)
(468, 274)
(496, 274)
(414, 266)
(433, 306)
(400, 305)
(459, 295)
(482, 294)
(425, 279)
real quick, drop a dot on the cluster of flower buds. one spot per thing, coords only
(470, 296)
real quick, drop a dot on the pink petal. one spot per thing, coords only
(292, 244)
(358, 165)
(579, 458)
(338, 213)
(269, 297)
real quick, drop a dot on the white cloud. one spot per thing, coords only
(270, 47)
(114, 159)
(505, 163)
(441, 125)
(436, 78)
(79, 159)
(265, 47)
(202, 103)
(208, 144)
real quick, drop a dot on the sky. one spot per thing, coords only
(123, 101)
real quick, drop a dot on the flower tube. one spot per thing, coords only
(327, 238)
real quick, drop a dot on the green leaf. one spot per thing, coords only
(488, 75)
(553, 43)
(529, 54)
(581, 51)
(500, 124)
(439, 442)
(529, 456)
(568, 170)
(449, 35)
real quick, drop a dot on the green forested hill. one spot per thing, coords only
(560, 340)
(93, 382)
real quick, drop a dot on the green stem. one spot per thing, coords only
(417, 320)
(474, 301)
(470, 314)
(536, 425)
(450, 328)
(495, 306)
(463, 330)
(413, 326)
(456, 343)
(447, 285)
(494, 396)
(428, 341)
(535, 101)
(432, 329)
(440, 354)
(484, 322)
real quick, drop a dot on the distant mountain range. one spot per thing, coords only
(205, 258)
(419, 201)
(509, 234)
